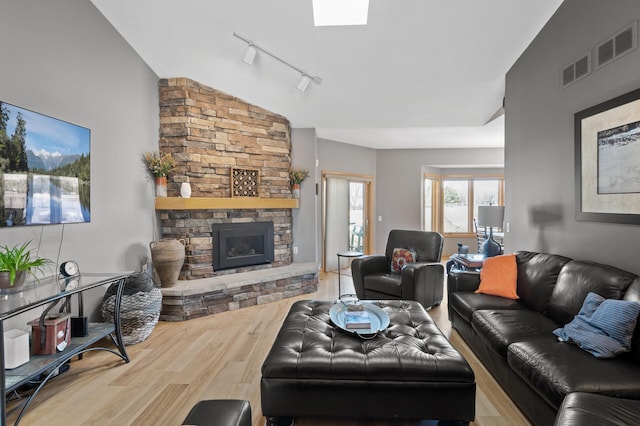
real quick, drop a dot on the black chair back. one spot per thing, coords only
(426, 244)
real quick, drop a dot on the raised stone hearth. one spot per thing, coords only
(206, 296)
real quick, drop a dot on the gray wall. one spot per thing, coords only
(539, 150)
(65, 60)
(399, 184)
(305, 218)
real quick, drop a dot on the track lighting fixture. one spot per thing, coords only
(250, 54)
(303, 83)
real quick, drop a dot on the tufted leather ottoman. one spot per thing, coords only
(409, 371)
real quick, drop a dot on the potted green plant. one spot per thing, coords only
(16, 263)
(296, 176)
(161, 165)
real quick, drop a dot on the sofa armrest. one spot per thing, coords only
(423, 281)
(365, 265)
(462, 281)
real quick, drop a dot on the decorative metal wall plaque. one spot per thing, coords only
(245, 182)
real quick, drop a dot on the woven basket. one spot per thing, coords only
(139, 308)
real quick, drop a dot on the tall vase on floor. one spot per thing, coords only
(168, 256)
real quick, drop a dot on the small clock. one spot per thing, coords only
(69, 268)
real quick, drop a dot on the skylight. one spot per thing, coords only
(340, 12)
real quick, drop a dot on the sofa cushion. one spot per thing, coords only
(385, 283)
(603, 327)
(633, 294)
(500, 328)
(537, 276)
(586, 409)
(498, 276)
(465, 303)
(577, 279)
(554, 369)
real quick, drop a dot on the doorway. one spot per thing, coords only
(346, 216)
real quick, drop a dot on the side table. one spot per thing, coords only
(466, 262)
(347, 254)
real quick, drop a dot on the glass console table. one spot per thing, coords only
(46, 294)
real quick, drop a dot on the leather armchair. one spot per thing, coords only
(422, 281)
(220, 412)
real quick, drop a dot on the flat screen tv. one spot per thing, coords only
(44, 169)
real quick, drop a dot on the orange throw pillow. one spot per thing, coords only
(499, 276)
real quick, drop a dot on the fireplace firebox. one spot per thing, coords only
(238, 245)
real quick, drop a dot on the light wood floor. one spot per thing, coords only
(209, 358)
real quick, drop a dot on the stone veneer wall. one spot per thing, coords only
(209, 133)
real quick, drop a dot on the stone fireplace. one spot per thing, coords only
(196, 227)
(211, 135)
(242, 244)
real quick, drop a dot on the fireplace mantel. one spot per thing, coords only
(204, 203)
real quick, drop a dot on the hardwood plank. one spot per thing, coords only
(218, 356)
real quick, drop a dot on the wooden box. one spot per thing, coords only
(57, 331)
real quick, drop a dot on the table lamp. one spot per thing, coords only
(491, 216)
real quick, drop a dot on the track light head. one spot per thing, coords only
(249, 55)
(303, 83)
(252, 50)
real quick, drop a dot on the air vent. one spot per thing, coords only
(618, 45)
(576, 70)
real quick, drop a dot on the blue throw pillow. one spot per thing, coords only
(603, 327)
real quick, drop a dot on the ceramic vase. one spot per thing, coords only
(185, 190)
(161, 186)
(295, 190)
(167, 256)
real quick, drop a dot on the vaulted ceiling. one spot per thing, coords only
(420, 74)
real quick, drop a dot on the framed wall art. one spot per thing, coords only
(607, 161)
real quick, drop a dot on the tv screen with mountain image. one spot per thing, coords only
(44, 169)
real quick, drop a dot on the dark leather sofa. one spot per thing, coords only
(514, 339)
(588, 409)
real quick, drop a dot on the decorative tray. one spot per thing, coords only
(378, 317)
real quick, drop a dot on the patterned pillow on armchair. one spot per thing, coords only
(401, 257)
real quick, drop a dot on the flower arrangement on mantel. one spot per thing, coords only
(296, 176)
(161, 165)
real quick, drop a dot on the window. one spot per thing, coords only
(486, 193)
(457, 206)
(431, 192)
